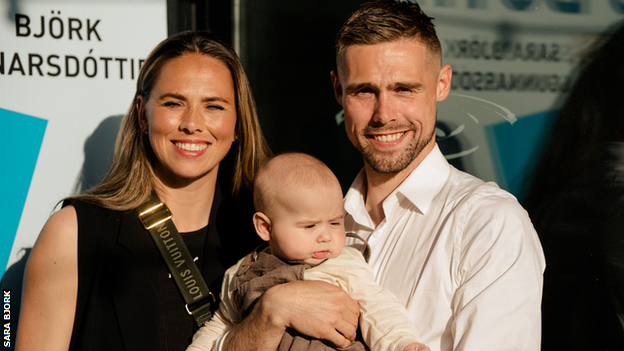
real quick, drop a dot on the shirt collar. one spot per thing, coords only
(354, 201)
(420, 187)
(424, 183)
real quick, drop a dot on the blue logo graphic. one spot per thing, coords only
(18, 165)
(617, 5)
(519, 148)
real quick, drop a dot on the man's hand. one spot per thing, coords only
(416, 346)
(314, 308)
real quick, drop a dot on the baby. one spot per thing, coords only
(299, 213)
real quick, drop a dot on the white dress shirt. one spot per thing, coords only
(461, 254)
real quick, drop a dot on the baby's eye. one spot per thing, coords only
(309, 226)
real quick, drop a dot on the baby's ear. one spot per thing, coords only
(263, 225)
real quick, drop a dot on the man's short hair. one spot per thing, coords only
(387, 21)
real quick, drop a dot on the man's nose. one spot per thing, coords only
(384, 111)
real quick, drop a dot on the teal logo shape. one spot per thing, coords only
(517, 148)
(18, 165)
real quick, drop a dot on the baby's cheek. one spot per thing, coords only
(299, 251)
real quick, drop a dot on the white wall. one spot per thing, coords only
(51, 103)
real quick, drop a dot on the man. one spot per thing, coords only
(461, 254)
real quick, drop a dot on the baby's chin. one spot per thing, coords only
(313, 261)
(319, 256)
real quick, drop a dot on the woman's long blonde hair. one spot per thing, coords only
(131, 177)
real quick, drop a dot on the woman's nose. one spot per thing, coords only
(192, 122)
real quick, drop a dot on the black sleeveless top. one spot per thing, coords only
(124, 300)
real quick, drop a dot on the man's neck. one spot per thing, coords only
(379, 186)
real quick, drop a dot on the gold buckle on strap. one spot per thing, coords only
(202, 306)
(155, 215)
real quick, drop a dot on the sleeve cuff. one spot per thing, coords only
(219, 343)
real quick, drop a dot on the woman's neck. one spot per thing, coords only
(190, 204)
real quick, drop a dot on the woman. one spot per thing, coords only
(94, 279)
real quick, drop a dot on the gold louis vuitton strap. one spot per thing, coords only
(156, 218)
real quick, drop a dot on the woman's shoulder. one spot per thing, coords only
(61, 223)
(95, 227)
(60, 233)
(89, 213)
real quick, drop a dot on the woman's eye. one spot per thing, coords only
(215, 107)
(171, 104)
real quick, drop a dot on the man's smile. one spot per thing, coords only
(388, 137)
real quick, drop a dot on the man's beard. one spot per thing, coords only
(391, 162)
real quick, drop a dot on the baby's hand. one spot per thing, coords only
(416, 346)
